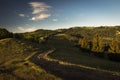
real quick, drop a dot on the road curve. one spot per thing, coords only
(69, 71)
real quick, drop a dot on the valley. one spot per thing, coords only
(58, 55)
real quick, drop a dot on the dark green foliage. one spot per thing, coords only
(99, 54)
(114, 56)
(5, 34)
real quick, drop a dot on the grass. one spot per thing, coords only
(14, 49)
(15, 64)
(28, 57)
(65, 51)
(29, 71)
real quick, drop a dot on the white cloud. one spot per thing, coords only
(40, 11)
(41, 17)
(55, 20)
(21, 15)
(23, 29)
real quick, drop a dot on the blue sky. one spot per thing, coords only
(29, 15)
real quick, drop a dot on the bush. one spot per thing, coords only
(114, 56)
(5, 34)
(100, 55)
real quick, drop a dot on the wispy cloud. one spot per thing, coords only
(55, 20)
(41, 17)
(23, 29)
(21, 15)
(40, 11)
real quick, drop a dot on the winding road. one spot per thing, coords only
(69, 71)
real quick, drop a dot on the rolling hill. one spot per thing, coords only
(60, 54)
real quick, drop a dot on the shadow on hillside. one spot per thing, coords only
(68, 72)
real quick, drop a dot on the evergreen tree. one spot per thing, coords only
(84, 43)
(114, 47)
(97, 44)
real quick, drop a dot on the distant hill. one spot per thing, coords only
(91, 31)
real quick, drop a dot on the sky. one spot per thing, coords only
(30, 15)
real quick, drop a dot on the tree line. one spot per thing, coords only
(101, 48)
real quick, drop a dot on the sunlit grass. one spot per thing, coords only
(15, 64)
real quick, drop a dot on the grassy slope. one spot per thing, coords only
(14, 63)
(66, 51)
